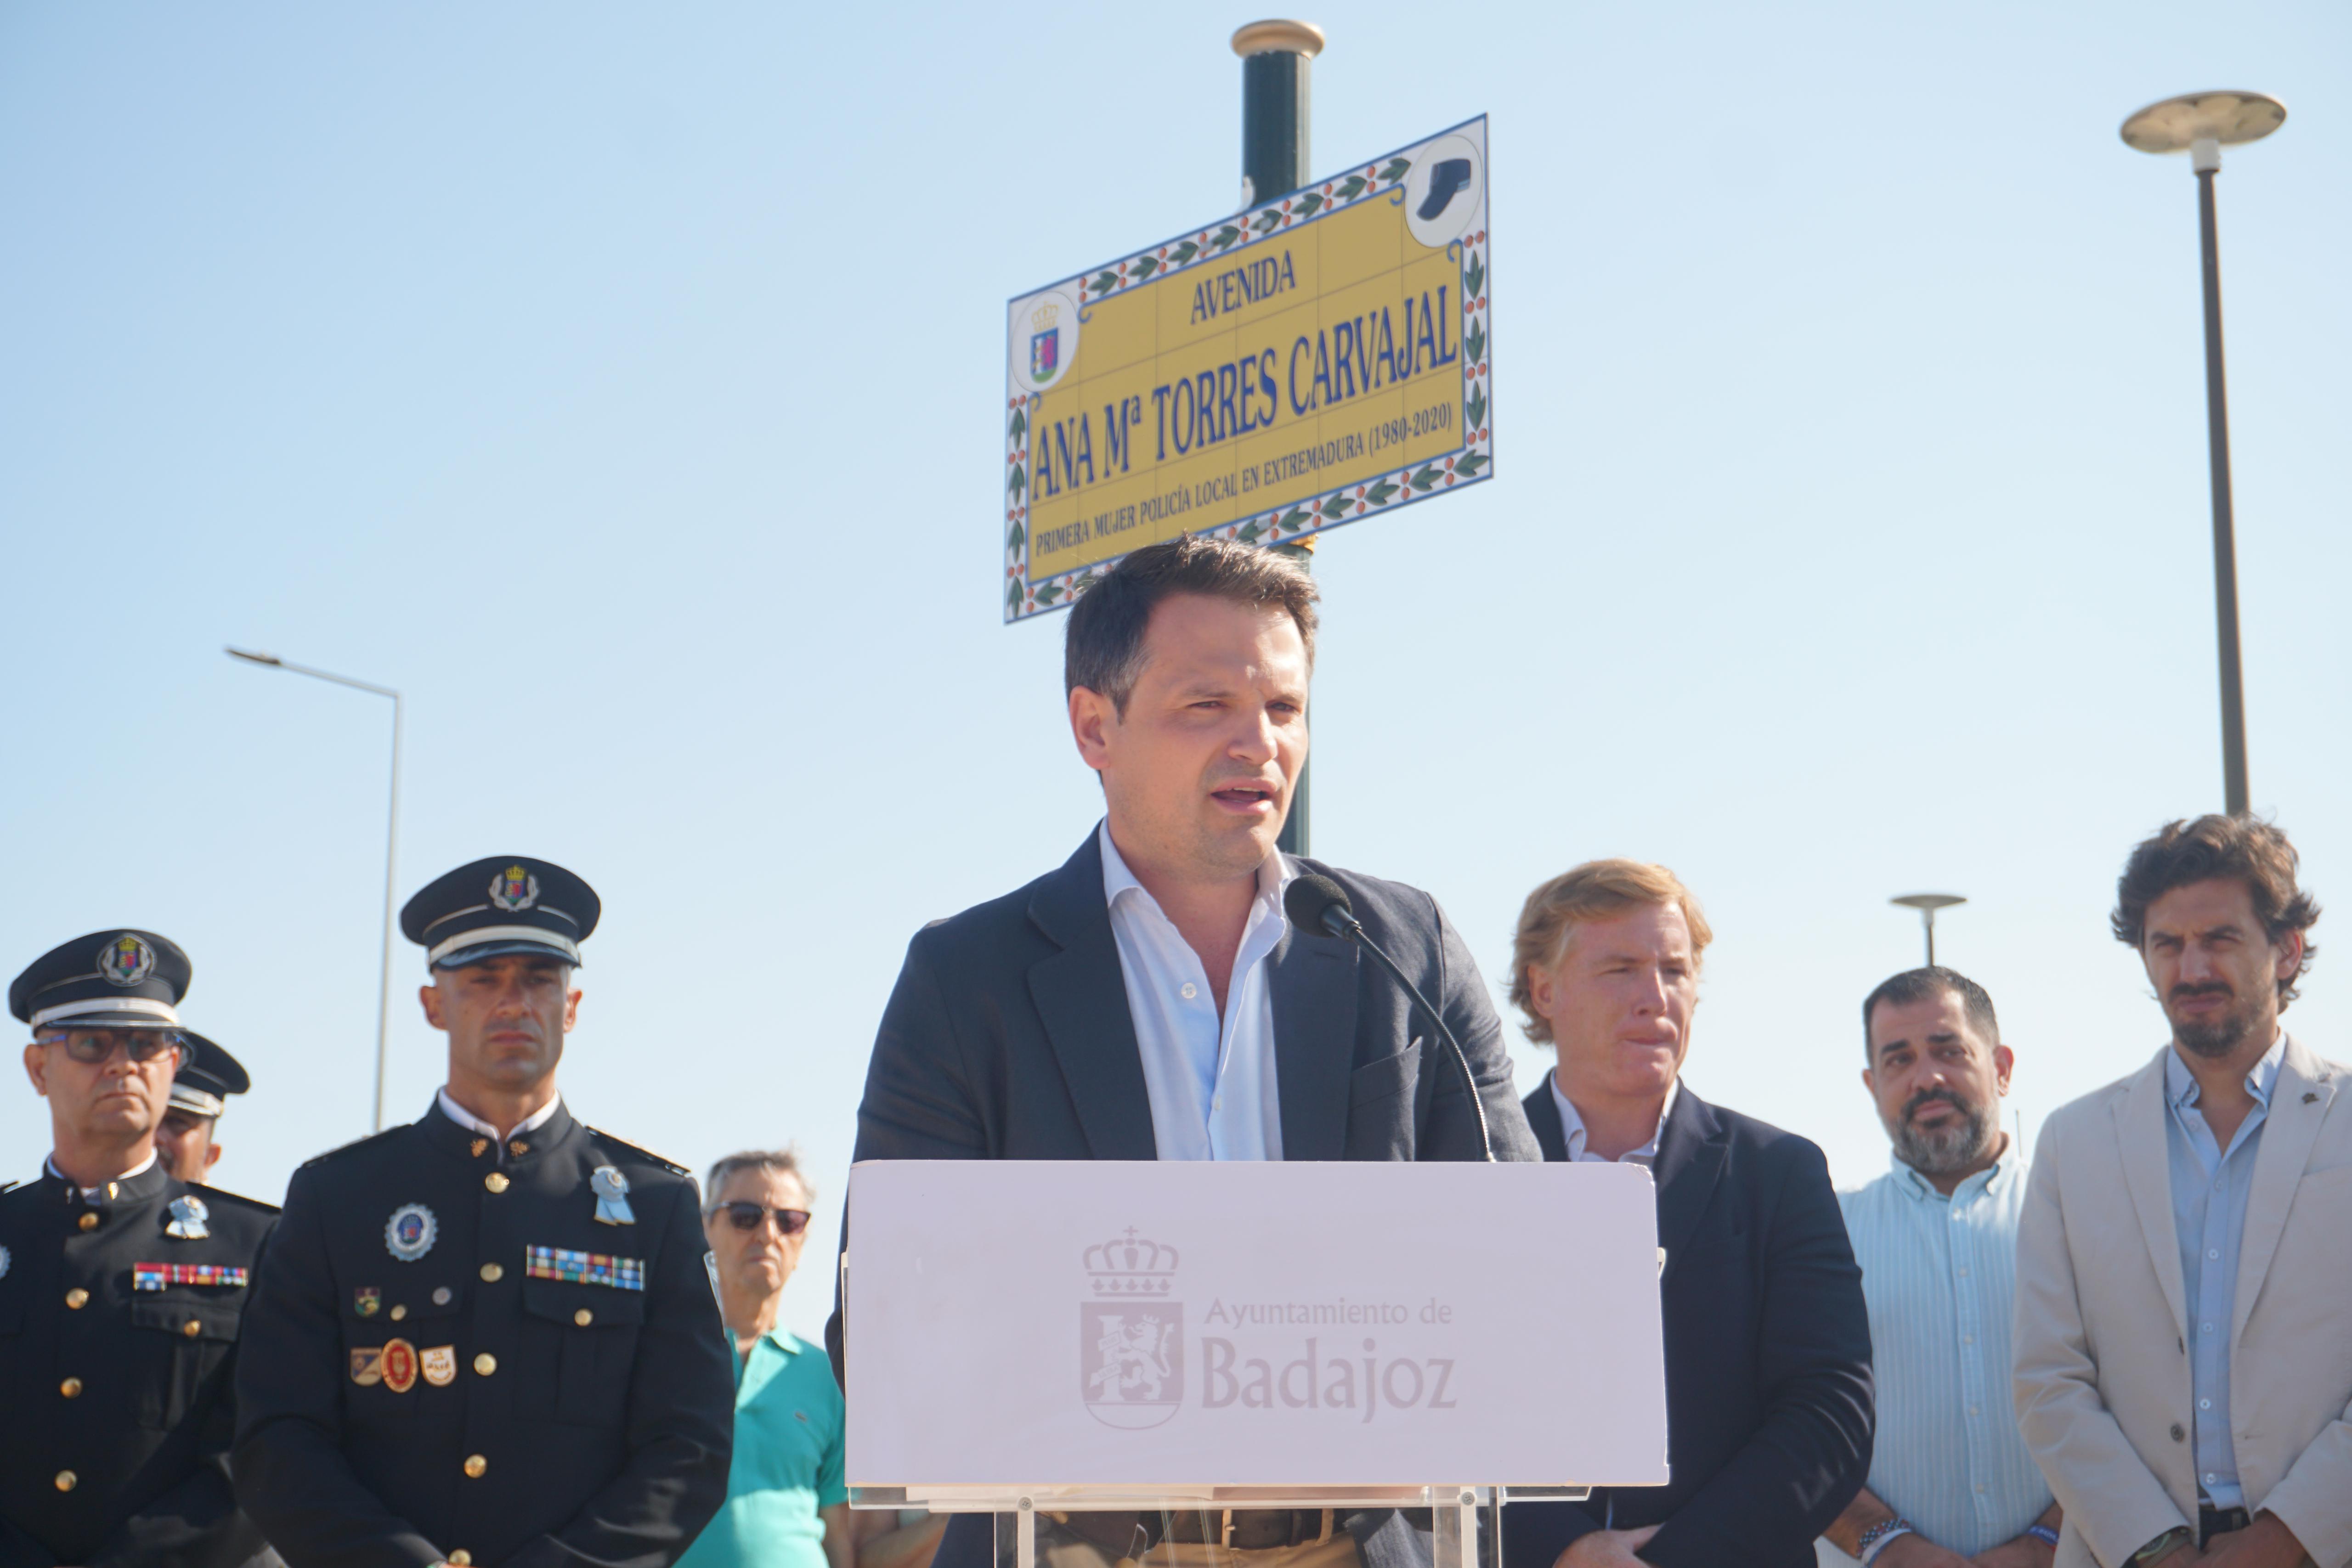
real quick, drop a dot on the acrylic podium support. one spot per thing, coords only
(1247, 1336)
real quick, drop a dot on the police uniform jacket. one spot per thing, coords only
(533, 1385)
(118, 1350)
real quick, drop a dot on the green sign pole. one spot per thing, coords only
(1277, 65)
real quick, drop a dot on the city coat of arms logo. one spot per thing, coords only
(514, 888)
(1130, 1335)
(1045, 343)
(126, 960)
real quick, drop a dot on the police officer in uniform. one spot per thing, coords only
(121, 1286)
(492, 1335)
(186, 1141)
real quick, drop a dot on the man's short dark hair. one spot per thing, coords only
(2242, 849)
(1102, 648)
(1920, 985)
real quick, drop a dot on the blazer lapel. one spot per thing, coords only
(1081, 996)
(1312, 980)
(1691, 1154)
(2142, 1139)
(1543, 1120)
(2289, 1129)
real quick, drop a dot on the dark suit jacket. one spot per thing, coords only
(1769, 1403)
(1008, 1038)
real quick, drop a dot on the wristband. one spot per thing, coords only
(2044, 1534)
(1874, 1540)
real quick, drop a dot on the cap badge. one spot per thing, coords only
(409, 1234)
(126, 961)
(440, 1363)
(612, 1190)
(367, 1300)
(188, 1215)
(367, 1367)
(399, 1366)
(514, 888)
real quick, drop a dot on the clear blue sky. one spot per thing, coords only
(623, 384)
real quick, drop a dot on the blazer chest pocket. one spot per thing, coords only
(1380, 1096)
(178, 1348)
(580, 1346)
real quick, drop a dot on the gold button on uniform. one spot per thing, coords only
(492, 1273)
(398, 1314)
(66, 1479)
(76, 1298)
(476, 1465)
(89, 1220)
(584, 1317)
(485, 1364)
(440, 1295)
(71, 1388)
(461, 1558)
(192, 1328)
(496, 1181)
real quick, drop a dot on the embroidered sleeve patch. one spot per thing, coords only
(585, 1268)
(156, 1276)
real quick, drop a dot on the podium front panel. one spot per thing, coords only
(1166, 1328)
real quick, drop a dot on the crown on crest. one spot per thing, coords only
(1131, 1265)
(1044, 316)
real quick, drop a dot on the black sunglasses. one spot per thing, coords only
(747, 1216)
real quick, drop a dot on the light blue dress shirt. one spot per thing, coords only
(1939, 1276)
(1572, 1133)
(2209, 1189)
(1210, 1079)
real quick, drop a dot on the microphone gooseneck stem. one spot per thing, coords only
(1343, 922)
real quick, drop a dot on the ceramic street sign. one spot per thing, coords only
(1318, 359)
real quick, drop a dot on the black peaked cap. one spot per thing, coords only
(506, 903)
(117, 979)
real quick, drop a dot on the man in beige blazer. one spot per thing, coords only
(2184, 1264)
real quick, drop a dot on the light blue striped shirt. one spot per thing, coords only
(1940, 1274)
(2209, 1189)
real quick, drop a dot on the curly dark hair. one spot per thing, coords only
(2245, 849)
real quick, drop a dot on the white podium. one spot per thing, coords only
(1078, 1336)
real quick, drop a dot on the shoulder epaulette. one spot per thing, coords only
(663, 1161)
(359, 1143)
(234, 1199)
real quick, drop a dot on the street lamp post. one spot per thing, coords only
(1277, 72)
(391, 853)
(2201, 124)
(1926, 904)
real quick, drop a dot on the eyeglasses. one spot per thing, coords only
(94, 1047)
(750, 1216)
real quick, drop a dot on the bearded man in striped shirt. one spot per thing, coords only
(1951, 1481)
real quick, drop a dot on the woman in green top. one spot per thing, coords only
(786, 1505)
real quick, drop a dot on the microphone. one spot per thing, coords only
(1317, 904)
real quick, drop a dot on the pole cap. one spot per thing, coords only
(1278, 38)
(2228, 118)
(1928, 902)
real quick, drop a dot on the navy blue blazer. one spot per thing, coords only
(1768, 1401)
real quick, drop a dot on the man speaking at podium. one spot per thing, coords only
(1149, 1001)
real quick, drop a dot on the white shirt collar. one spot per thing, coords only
(1275, 875)
(471, 1123)
(1571, 1125)
(91, 1192)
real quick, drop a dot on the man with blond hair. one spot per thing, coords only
(1769, 1405)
